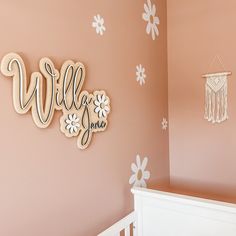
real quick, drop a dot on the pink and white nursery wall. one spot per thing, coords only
(202, 155)
(47, 185)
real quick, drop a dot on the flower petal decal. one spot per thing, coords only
(152, 20)
(102, 105)
(140, 74)
(98, 24)
(139, 173)
(164, 124)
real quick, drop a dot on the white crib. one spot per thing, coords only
(158, 213)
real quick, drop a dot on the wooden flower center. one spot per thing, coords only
(139, 174)
(151, 19)
(102, 105)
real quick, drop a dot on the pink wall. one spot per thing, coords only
(47, 185)
(202, 155)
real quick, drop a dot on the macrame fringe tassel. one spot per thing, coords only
(216, 105)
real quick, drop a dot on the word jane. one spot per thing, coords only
(83, 113)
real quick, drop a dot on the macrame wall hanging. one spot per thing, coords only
(216, 91)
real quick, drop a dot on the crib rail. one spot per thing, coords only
(122, 225)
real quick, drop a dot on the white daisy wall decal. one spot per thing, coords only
(102, 105)
(98, 24)
(164, 124)
(140, 175)
(140, 74)
(152, 20)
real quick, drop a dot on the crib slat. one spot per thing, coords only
(123, 224)
(127, 231)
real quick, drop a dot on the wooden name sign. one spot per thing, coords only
(83, 113)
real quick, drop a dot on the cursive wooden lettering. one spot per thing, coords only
(83, 113)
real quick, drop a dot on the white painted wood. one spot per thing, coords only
(127, 231)
(168, 214)
(123, 224)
